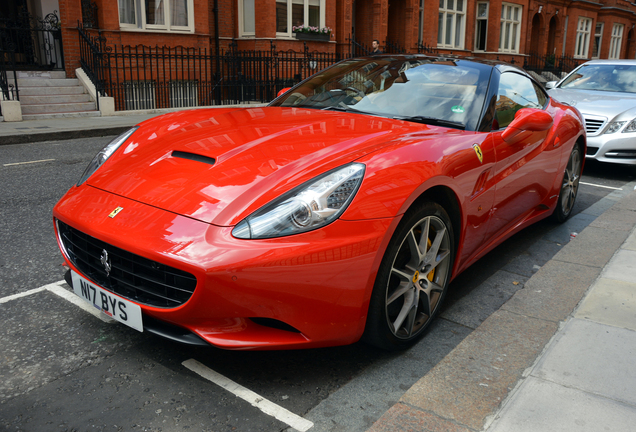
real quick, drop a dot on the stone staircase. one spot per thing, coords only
(49, 94)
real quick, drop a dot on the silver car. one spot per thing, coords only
(604, 91)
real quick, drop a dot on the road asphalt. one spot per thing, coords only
(557, 356)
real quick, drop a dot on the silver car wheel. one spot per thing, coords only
(570, 185)
(419, 275)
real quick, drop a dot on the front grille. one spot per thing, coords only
(593, 125)
(131, 276)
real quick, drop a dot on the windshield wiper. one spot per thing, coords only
(342, 108)
(432, 121)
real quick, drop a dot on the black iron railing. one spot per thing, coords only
(8, 80)
(551, 63)
(37, 42)
(144, 77)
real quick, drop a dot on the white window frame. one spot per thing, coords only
(289, 32)
(449, 11)
(598, 39)
(140, 18)
(477, 20)
(616, 41)
(242, 18)
(510, 28)
(582, 45)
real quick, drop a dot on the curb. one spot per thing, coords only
(62, 135)
(466, 390)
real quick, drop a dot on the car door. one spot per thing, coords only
(526, 166)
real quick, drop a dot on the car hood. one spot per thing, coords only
(219, 165)
(600, 103)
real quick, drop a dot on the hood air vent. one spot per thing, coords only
(194, 157)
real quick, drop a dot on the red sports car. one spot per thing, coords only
(339, 212)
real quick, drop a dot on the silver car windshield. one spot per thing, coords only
(602, 77)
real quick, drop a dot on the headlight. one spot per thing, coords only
(104, 154)
(614, 127)
(631, 127)
(305, 208)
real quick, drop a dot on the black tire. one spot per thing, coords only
(412, 279)
(569, 185)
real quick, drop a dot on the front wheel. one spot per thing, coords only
(412, 279)
(569, 185)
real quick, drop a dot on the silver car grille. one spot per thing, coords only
(594, 124)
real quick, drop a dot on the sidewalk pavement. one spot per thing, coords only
(558, 356)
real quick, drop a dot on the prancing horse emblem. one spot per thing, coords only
(105, 260)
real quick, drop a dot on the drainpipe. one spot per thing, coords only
(216, 42)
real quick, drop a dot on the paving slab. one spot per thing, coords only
(469, 383)
(554, 291)
(593, 247)
(592, 357)
(610, 302)
(545, 406)
(616, 219)
(630, 243)
(622, 267)
(406, 419)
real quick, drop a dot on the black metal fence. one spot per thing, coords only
(551, 63)
(8, 78)
(37, 43)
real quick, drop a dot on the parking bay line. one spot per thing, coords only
(29, 162)
(56, 288)
(600, 186)
(268, 407)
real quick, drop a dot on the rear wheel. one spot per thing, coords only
(569, 185)
(412, 279)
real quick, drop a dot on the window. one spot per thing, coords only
(290, 13)
(617, 40)
(140, 95)
(598, 38)
(515, 92)
(582, 38)
(509, 29)
(481, 27)
(171, 15)
(183, 93)
(450, 30)
(247, 20)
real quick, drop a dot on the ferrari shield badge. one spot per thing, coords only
(115, 212)
(480, 155)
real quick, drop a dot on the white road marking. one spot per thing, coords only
(600, 186)
(247, 395)
(29, 162)
(57, 288)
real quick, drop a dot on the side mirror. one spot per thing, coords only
(527, 120)
(550, 85)
(283, 91)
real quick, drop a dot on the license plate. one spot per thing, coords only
(124, 311)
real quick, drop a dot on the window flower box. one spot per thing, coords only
(312, 33)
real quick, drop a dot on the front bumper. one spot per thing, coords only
(307, 290)
(614, 148)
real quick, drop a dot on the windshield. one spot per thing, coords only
(410, 88)
(602, 77)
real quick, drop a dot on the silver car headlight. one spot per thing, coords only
(311, 205)
(631, 127)
(104, 154)
(614, 127)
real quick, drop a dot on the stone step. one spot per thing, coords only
(43, 82)
(60, 115)
(41, 74)
(52, 99)
(57, 108)
(43, 91)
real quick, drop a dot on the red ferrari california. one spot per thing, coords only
(339, 212)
